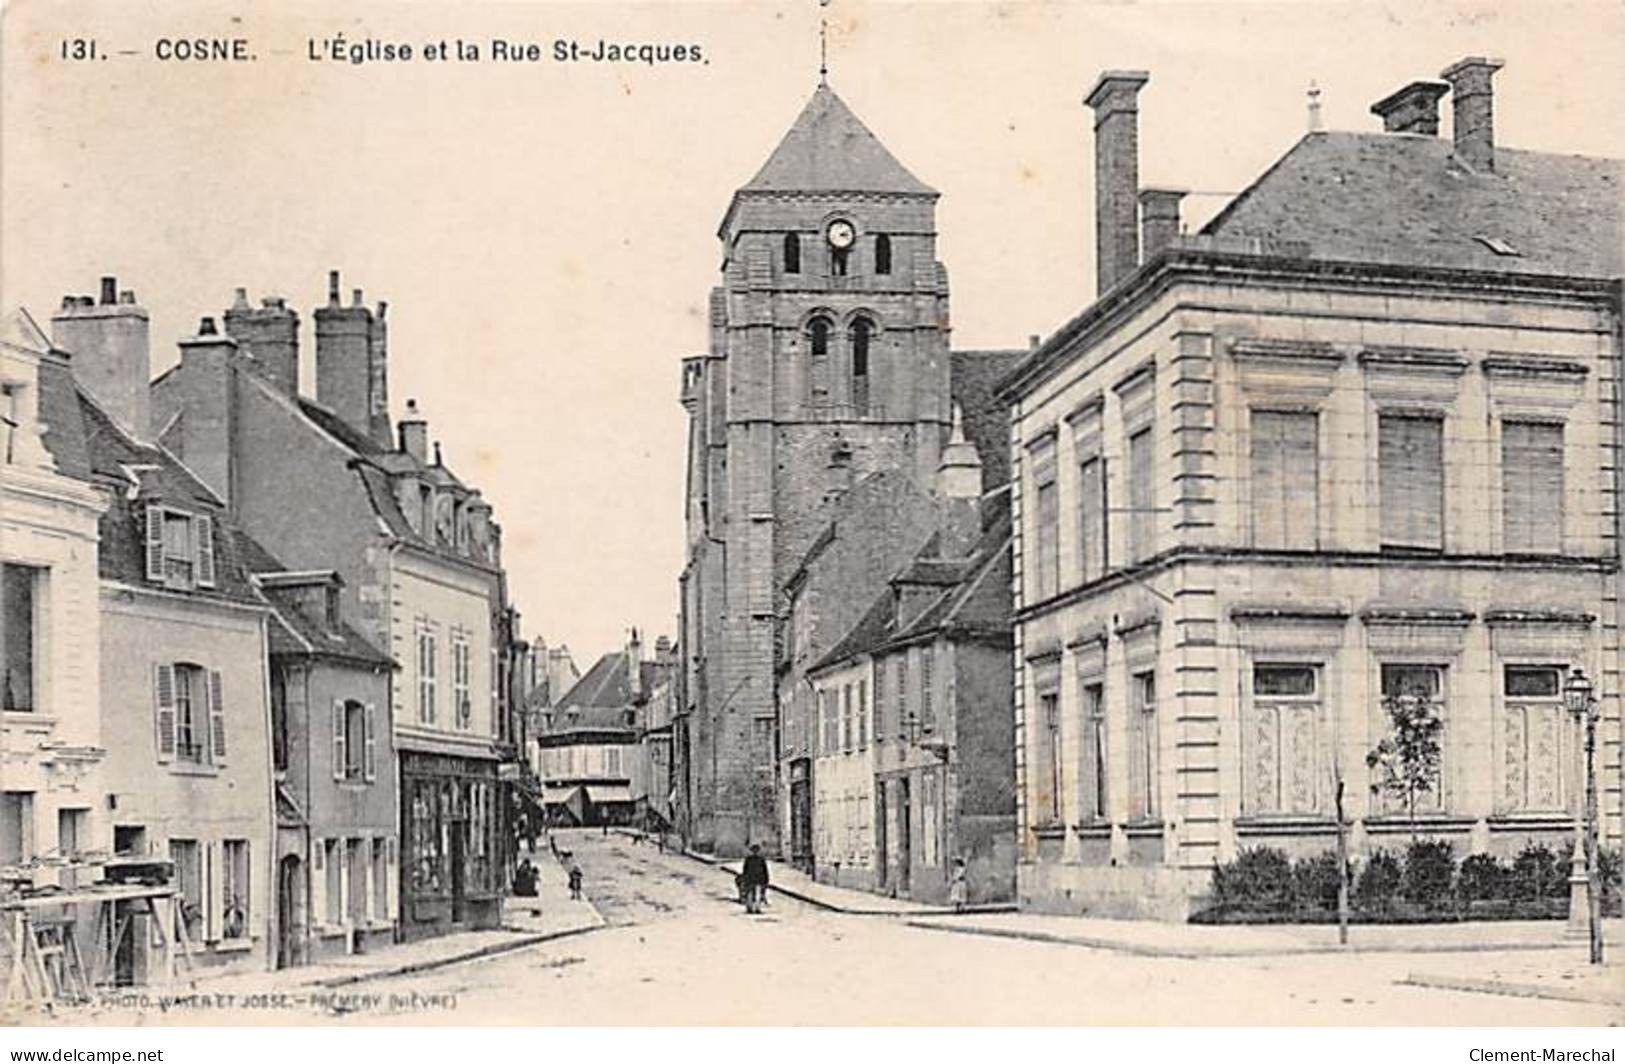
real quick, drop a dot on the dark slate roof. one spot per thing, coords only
(977, 599)
(297, 632)
(606, 684)
(973, 382)
(64, 430)
(829, 150)
(1406, 199)
(123, 552)
(336, 427)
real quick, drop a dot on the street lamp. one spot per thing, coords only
(1582, 706)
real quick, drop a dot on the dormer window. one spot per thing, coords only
(180, 548)
(332, 607)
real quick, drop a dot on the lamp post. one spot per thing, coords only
(1583, 707)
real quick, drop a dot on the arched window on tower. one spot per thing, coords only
(792, 252)
(862, 333)
(883, 254)
(818, 331)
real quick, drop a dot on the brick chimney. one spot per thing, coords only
(634, 664)
(351, 375)
(268, 333)
(1117, 174)
(415, 433)
(205, 438)
(1413, 109)
(1159, 219)
(1473, 100)
(112, 356)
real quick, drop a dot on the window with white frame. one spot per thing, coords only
(180, 548)
(1143, 804)
(863, 715)
(189, 714)
(1532, 487)
(427, 652)
(235, 889)
(459, 681)
(1280, 741)
(355, 741)
(21, 598)
(1532, 739)
(846, 719)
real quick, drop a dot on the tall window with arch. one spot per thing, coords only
(882, 254)
(862, 333)
(818, 331)
(792, 252)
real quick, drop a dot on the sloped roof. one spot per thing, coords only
(828, 149)
(1406, 199)
(973, 379)
(297, 632)
(606, 684)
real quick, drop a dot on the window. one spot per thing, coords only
(461, 703)
(1410, 459)
(1532, 487)
(16, 827)
(838, 258)
(882, 254)
(846, 719)
(426, 676)
(1280, 741)
(1143, 803)
(380, 879)
(902, 695)
(880, 700)
(1427, 683)
(822, 723)
(1092, 517)
(334, 910)
(1142, 516)
(1048, 555)
(188, 862)
(1532, 739)
(1094, 805)
(792, 252)
(180, 548)
(190, 714)
(818, 331)
(1048, 799)
(357, 866)
(612, 761)
(1285, 479)
(235, 892)
(763, 738)
(928, 701)
(72, 827)
(20, 600)
(862, 330)
(279, 718)
(863, 714)
(355, 742)
(423, 844)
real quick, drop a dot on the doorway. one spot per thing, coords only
(290, 881)
(905, 854)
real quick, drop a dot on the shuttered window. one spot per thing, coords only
(1047, 800)
(1142, 752)
(1285, 479)
(1092, 517)
(1142, 516)
(1093, 783)
(1410, 456)
(1048, 554)
(180, 548)
(928, 694)
(1532, 487)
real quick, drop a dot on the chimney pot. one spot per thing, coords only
(382, 307)
(240, 302)
(332, 288)
(437, 460)
(1412, 109)
(355, 297)
(1473, 103)
(127, 296)
(206, 327)
(1033, 340)
(109, 290)
(1114, 100)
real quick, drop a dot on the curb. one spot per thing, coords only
(1139, 950)
(494, 949)
(1496, 986)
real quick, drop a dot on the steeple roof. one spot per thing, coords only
(829, 150)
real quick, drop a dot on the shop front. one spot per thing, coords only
(452, 826)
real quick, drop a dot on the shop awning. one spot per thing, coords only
(603, 793)
(560, 796)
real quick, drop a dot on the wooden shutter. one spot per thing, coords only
(338, 739)
(1092, 510)
(1532, 487)
(370, 764)
(1269, 517)
(393, 891)
(1142, 522)
(155, 542)
(164, 710)
(318, 882)
(217, 717)
(203, 530)
(1410, 456)
(214, 887)
(1300, 479)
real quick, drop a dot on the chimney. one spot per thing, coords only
(1117, 174)
(112, 357)
(415, 433)
(1413, 109)
(1159, 219)
(344, 355)
(378, 349)
(665, 653)
(269, 334)
(204, 381)
(1474, 103)
(959, 485)
(634, 662)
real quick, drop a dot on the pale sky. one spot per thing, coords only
(544, 233)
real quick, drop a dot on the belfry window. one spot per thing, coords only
(862, 330)
(792, 253)
(818, 369)
(883, 254)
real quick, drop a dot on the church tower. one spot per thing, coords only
(828, 362)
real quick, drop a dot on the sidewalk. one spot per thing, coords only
(1546, 974)
(1152, 939)
(525, 922)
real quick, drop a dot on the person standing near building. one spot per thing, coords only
(755, 878)
(957, 887)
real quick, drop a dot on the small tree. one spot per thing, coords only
(1405, 764)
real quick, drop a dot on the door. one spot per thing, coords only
(882, 857)
(905, 848)
(289, 884)
(459, 871)
(801, 816)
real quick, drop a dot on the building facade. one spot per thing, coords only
(1347, 444)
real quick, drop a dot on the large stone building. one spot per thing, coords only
(1357, 438)
(829, 362)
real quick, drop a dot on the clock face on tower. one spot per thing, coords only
(841, 234)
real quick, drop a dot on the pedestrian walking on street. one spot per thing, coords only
(575, 881)
(957, 888)
(754, 877)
